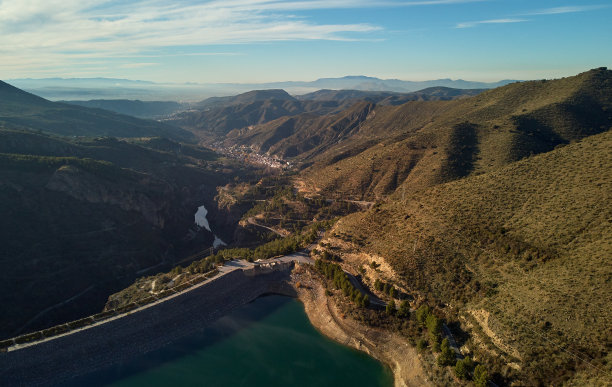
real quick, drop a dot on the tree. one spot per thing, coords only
(422, 313)
(390, 308)
(404, 310)
(365, 301)
(377, 284)
(434, 324)
(392, 291)
(481, 376)
(447, 355)
(421, 344)
(461, 370)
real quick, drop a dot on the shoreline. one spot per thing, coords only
(387, 347)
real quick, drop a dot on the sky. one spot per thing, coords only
(254, 41)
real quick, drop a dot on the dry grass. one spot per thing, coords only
(529, 244)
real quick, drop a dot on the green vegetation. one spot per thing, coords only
(390, 308)
(447, 355)
(385, 288)
(481, 376)
(464, 368)
(404, 310)
(334, 273)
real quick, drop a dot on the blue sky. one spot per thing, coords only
(271, 40)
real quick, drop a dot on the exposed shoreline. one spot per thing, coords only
(387, 347)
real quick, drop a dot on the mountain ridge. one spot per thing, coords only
(23, 110)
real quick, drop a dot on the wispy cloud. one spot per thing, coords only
(491, 21)
(566, 9)
(32, 29)
(138, 65)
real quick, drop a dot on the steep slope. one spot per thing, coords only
(222, 115)
(22, 110)
(442, 141)
(521, 256)
(81, 218)
(302, 135)
(218, 116)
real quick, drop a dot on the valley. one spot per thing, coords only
(471, 228)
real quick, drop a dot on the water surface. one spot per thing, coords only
(269, 342)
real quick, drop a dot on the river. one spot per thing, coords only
(269, 342)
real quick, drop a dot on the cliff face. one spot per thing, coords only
(81, 219)
(85, 187)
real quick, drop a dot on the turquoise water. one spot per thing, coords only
(269, 342)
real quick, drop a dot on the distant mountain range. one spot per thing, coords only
(22, 110)
(215, 117)
(112, 88)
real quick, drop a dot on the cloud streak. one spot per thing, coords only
(491, 21)
(74, 30)
(566, 9)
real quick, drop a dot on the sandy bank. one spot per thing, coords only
(387, 347)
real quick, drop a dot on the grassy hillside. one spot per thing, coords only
(520, 257)
(22, 110)
(420, 144)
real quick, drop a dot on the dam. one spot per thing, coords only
(118, 340)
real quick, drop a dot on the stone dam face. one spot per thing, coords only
(116, 341)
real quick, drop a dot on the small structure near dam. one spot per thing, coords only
(116, 340)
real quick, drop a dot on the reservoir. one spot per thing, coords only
(269, 342)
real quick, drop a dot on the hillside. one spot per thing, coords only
(212, 119)
(82, 218)
(22, 110)
(519, 257)
(420, 144)
(135, 108)
(388, 97)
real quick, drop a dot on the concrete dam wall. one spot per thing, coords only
(119, 340)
